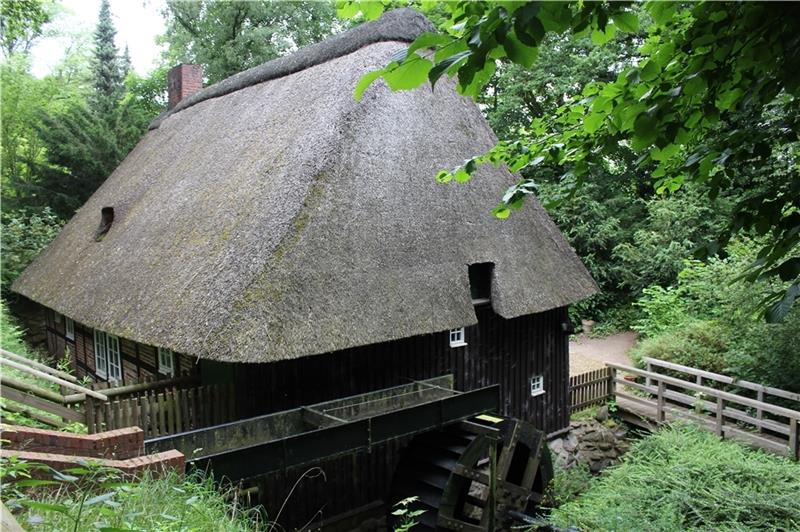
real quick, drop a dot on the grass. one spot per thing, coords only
(93, 497)
(682, 478)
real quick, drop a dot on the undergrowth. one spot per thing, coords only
(682, 478)
(91, 497)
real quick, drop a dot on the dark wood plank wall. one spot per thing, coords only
(139, 361)
(499, 351)
(508, 352)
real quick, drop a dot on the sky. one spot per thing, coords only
(138, 22)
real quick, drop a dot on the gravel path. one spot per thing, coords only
(586, 354)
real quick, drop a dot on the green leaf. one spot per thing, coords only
(408, 75)
(644, 130)
(520, 53)
(442, 66)
(661, 11)
(727, 100)
(444, 176)
(99, 498)
(626, 21)
(695, 85)
(502, 212)
(34, 482)
(365, 81)
(649, 70)
(779, 310)
(593, 122)
(428, 40)
(602, 37)
(46, 507)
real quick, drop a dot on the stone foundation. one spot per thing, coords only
(596, 443)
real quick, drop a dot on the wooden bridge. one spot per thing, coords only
(740, 410)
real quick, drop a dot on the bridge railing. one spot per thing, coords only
(726, 413)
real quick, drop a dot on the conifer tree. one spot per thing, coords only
(105, 62)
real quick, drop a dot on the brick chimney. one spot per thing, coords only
(182, 81)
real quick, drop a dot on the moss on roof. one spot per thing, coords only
(283, 219)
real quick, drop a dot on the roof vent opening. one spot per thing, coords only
(480, 281)
(106, 219)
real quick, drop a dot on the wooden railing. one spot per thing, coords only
(712, 408)
(716, 380)
(159, 407)
(590, 389)
(169, 411)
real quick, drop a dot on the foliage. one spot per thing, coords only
(567, 485)
(405, 515)
(696, 108)
(682, 478)
(24, 236)
(708, 320)
(21, 22)
(95, 496)
(107, 74)
(229, 37)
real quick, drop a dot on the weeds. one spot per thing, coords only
(682, 478)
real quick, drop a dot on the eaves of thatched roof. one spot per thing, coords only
(280, 218)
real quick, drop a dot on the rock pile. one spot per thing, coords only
(596, 443)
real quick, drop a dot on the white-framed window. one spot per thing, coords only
(537, 385)
(166, 361)
(107, 360)
(457, 337)
(69, 328)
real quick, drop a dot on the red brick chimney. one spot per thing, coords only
(182, 81)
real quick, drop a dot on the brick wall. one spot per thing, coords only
(121, 449)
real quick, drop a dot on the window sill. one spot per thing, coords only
(537, 394)
(458, 344)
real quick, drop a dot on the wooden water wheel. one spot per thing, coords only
(448, 471)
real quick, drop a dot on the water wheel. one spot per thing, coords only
(448, 471)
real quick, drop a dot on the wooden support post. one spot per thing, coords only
(699, 380)
(720, 408)
(647, 381)
(612, 374)
(759, 411)
(660, 416)
(89, 412)
(794, 438)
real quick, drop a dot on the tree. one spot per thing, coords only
(704, 66)
(21, 22)
(228, 37)
(106, 69)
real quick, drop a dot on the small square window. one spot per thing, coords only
(166, 361)
(537, 385)
(69, 328)
(457, 337)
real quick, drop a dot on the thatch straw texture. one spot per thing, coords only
(285, 219)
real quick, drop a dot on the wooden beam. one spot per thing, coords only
(33, 414)
(50, 378)
(38, 365)
(724, 379)
(44, 393)
(36, 402)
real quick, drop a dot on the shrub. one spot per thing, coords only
(567, 485)
(24, 236)
(682, 478)
(699, 344)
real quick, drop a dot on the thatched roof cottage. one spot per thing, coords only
(273, 231)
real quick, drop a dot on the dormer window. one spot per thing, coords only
(480, 282)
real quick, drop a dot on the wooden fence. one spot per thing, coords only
(591, 388)
(167, 412)
(662, 397)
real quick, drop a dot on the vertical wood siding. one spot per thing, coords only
(139, 361)
(499, 351)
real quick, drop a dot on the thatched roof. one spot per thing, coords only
(285, 219)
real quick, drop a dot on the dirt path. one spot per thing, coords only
(587, 353)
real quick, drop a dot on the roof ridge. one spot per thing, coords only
(403, 24)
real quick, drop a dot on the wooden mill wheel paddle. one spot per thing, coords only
(448, 471)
